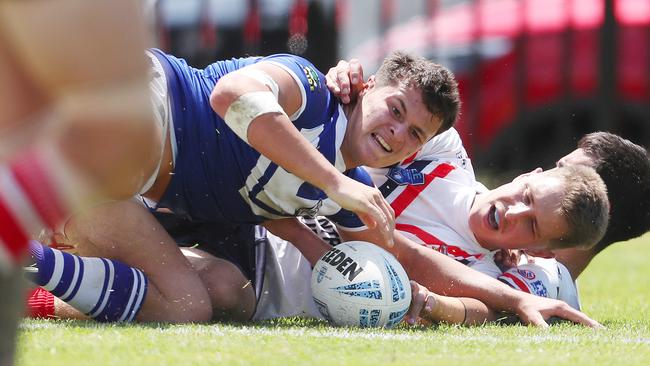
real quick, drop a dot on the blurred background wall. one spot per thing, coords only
(535, 75)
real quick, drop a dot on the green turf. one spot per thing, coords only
(614, 290)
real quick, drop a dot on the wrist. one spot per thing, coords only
(332, 182)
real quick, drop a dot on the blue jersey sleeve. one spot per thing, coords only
(348, 219)
(316, 102)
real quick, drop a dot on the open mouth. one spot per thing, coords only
(493, 217)
(382, 143)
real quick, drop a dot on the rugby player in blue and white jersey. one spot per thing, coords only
(249, 141)
(444, 271)
(439, 217)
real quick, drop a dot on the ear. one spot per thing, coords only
(368, 85)
(534, 171)
(371, 81)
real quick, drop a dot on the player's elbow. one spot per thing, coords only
(223, 94)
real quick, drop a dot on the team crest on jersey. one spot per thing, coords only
(539, 289)
(310, 212)
(312, 78)
(403, 176)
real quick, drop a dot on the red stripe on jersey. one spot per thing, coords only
(410, 158)
(410, 193)
(430, 239)
(522, 286)
(12, 234)
(32, 177)
(427, 238)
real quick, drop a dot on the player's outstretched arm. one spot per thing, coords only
(535, 310)
(250, 108)
(427, 307)
(445, 276)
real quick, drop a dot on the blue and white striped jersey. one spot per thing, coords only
(218, 177)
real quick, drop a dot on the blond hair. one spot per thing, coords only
(584, 206)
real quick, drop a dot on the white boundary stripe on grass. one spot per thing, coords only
(371, 334)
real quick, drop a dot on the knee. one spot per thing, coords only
(231, 293)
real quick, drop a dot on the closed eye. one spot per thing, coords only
(527, 196)
(529, 200)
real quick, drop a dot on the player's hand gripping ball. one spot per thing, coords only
(360, 284)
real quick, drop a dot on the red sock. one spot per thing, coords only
(29, 202)
(40, 304)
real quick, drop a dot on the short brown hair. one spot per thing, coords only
(625, 169)
(584, 206)
(437, 84)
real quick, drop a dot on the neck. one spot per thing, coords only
(348, 112)
(575, 260)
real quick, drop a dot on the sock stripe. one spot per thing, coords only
(137, 284)
(108, 284)
(71, 276)
(76, 279)
(141, 294)
(104, 289)
(57, 272)
(32, 177)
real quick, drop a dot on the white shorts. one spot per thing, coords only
(161, 105)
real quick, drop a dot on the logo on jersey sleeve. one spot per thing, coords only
(312, 78)
(403, 176)
(310, 212)
(539, 289)
(530, 275)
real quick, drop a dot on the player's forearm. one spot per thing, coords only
(445, 276)
(462, 311)
(310, 245)
(275, 137)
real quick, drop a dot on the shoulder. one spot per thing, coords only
(316, 100)
(447, 147)
(546, 278)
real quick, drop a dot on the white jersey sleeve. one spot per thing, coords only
(446, 147)
(546, 278)
(486, 265)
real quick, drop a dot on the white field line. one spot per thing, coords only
(369, 334)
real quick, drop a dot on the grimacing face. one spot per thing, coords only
(523, 214)
(388, 124)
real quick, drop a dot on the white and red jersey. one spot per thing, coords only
(545, 278)
(431, 193)
(432, 197)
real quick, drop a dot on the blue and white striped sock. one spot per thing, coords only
(104, 289)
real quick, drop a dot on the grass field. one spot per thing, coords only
(615, 290)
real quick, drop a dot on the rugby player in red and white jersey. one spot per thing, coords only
(435, 216)
(623, 166)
